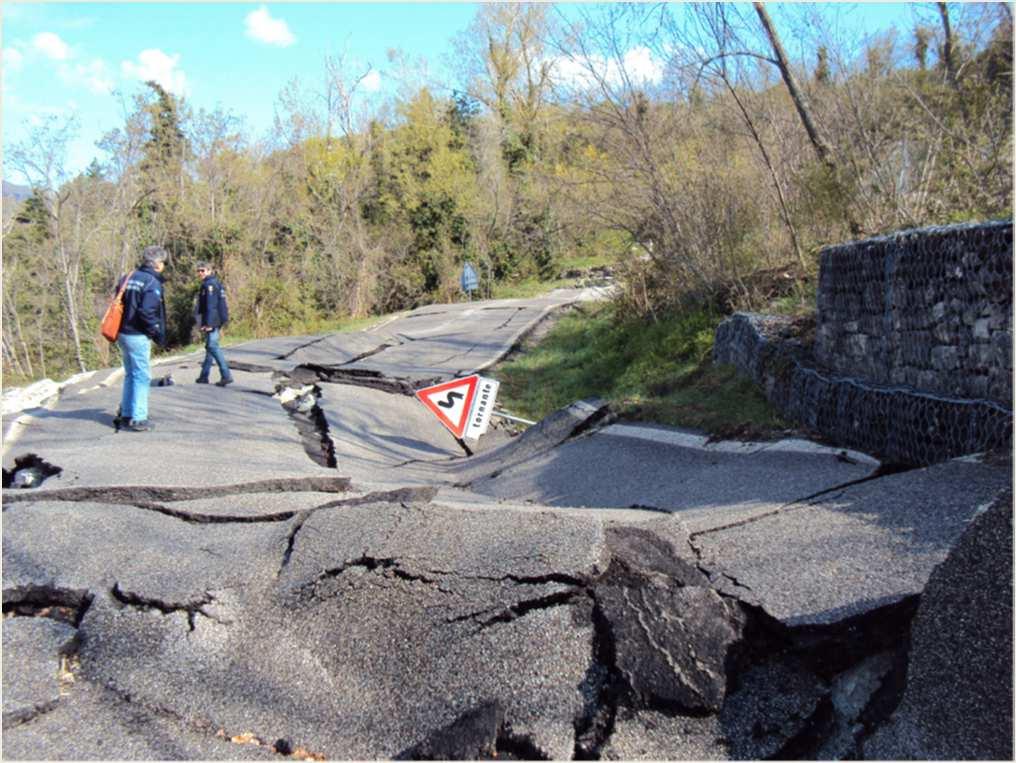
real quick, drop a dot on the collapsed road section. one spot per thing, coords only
(400, 628)
(229, 598)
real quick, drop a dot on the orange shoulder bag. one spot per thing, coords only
(112, 320)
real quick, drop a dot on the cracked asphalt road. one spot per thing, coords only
(585, 590)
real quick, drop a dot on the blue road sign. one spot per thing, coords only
(469, 280)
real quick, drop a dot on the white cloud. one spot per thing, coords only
(638, 64)
(263, 28)
(573, 73)
(12, 59)
(154, 64)
(372, 81)
(51, 46)
(642, 67)
(95, 76)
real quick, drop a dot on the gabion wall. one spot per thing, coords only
(929, 308)
(897, 424)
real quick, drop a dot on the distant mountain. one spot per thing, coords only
(16, 192)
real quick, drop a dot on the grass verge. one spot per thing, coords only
(659, 372)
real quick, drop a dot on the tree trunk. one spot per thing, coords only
(949, 58)
(12, 358)
(947, 45)
(818, 140)
(18, 337)
(72, 310)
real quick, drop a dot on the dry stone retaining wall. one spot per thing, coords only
(912, 359)
(897, 424)
(929, 308)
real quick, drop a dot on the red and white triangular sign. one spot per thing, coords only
(451, 402)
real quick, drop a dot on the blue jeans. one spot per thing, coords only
(214, 352)
(136, 349)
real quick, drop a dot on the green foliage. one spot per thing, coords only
(658, 371)
(691, 200)
(272, 307)
(166, 145)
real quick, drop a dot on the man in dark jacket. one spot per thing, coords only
(144, 322)
(211, 313)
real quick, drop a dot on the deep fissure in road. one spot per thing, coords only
(625, 660)
(190, 608)
(300, 401)
(139, 494)
(66, 605)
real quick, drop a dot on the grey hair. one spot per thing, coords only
(154, 254)
(205, 264)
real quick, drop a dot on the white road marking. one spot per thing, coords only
(700, 442)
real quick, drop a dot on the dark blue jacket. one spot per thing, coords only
(144, 305)
(211, 308)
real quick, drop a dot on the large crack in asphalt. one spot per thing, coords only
(404, 496)
(64, 604)
(359, 377)
(140, 494)
(301, 403)
(190, 608)
(884, 470)
(510, 318)
(303, 346)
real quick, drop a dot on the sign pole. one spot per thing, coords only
(512, 418)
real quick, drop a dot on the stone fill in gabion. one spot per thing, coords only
(929, 308)
(896, 423)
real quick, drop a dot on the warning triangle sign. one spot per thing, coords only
(451, 402)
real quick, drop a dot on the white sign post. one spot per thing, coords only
(483, 405)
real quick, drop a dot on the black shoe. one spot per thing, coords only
(224, 382)
(201, 380)
(138, 426)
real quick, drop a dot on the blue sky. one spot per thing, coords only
(63, 58)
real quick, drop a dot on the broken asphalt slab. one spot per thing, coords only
(861, 548)
(366, 446)
(959, 696)
(665, 470)
(32, 651)
(204, 435)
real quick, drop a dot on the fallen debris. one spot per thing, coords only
(29, 471)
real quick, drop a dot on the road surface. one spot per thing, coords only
(252, 581)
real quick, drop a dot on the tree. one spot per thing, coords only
(57, 210)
